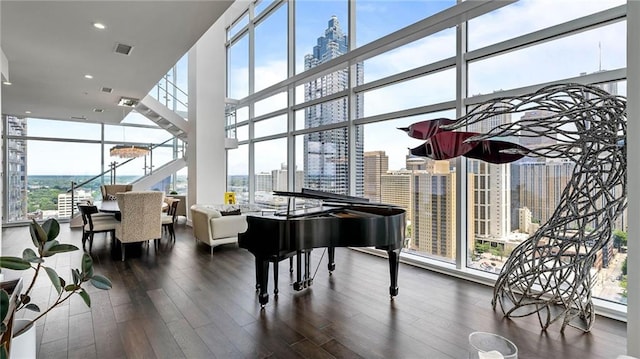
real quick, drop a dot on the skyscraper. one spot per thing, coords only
(326, 153)
(395, 188)
(492, 190)
(16, 185)
(376, 163)
(434, 213)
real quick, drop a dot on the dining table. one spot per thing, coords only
(108, 206)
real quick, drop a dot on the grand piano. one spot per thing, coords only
(338, 221)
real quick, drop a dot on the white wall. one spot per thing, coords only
(206, 154)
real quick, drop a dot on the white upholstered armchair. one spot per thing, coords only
(214, 229)
(141, 217)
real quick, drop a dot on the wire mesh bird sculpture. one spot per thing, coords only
(549, 273)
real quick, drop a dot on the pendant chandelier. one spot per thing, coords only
(126, 151)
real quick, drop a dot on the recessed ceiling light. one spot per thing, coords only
(87, 76)
(6, 83)
(27, 112)
(99, 25)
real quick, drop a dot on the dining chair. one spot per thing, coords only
(169, 219)
(94, 222)
(141, 217)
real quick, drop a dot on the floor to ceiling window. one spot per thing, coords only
(54, 164)
(352, 94)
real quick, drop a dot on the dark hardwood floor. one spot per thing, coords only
(183, 303)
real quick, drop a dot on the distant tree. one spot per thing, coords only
(619, 238)
(498, 252)
(623, 285)
(624, 267)
(482, 247)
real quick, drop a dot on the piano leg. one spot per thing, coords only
(297, 285)
(331, 266)
(262, 276)
(394, 261)
(275, 276)
(307, 273)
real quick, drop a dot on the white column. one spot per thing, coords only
(633, 177)
(4, 70)
(206, 154)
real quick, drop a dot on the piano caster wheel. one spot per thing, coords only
(297, 286)
(393, 291)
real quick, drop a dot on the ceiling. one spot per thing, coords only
(51, 45)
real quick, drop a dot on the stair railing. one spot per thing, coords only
(170, 91)
(180, 151)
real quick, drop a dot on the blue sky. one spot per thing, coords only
(584, 52)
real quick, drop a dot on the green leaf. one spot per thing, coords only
(76, 276)
(14, 263)
(38, 235)
(4, 304)
(3, 328)
(55, 279)
(33, 307)
(58, 248)
(52, 228)
(87, 265)
(101, 282)
(45, 248)
(86, 297)
(30, 256)
(71, 288)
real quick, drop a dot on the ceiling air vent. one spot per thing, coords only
(123, 49)
(106, 89)
(78, 117)
(98, 110)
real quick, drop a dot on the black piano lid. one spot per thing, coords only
(330, 197)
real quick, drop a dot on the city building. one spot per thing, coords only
(376, 163)
(264, 182)
(67, 203)
(434, 220)
(279, 178)
(16, 162)
(326, 157)
(541, 186)
(524, 220)
(492, 192)
(395, 188)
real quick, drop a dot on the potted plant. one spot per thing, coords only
(44, 239)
